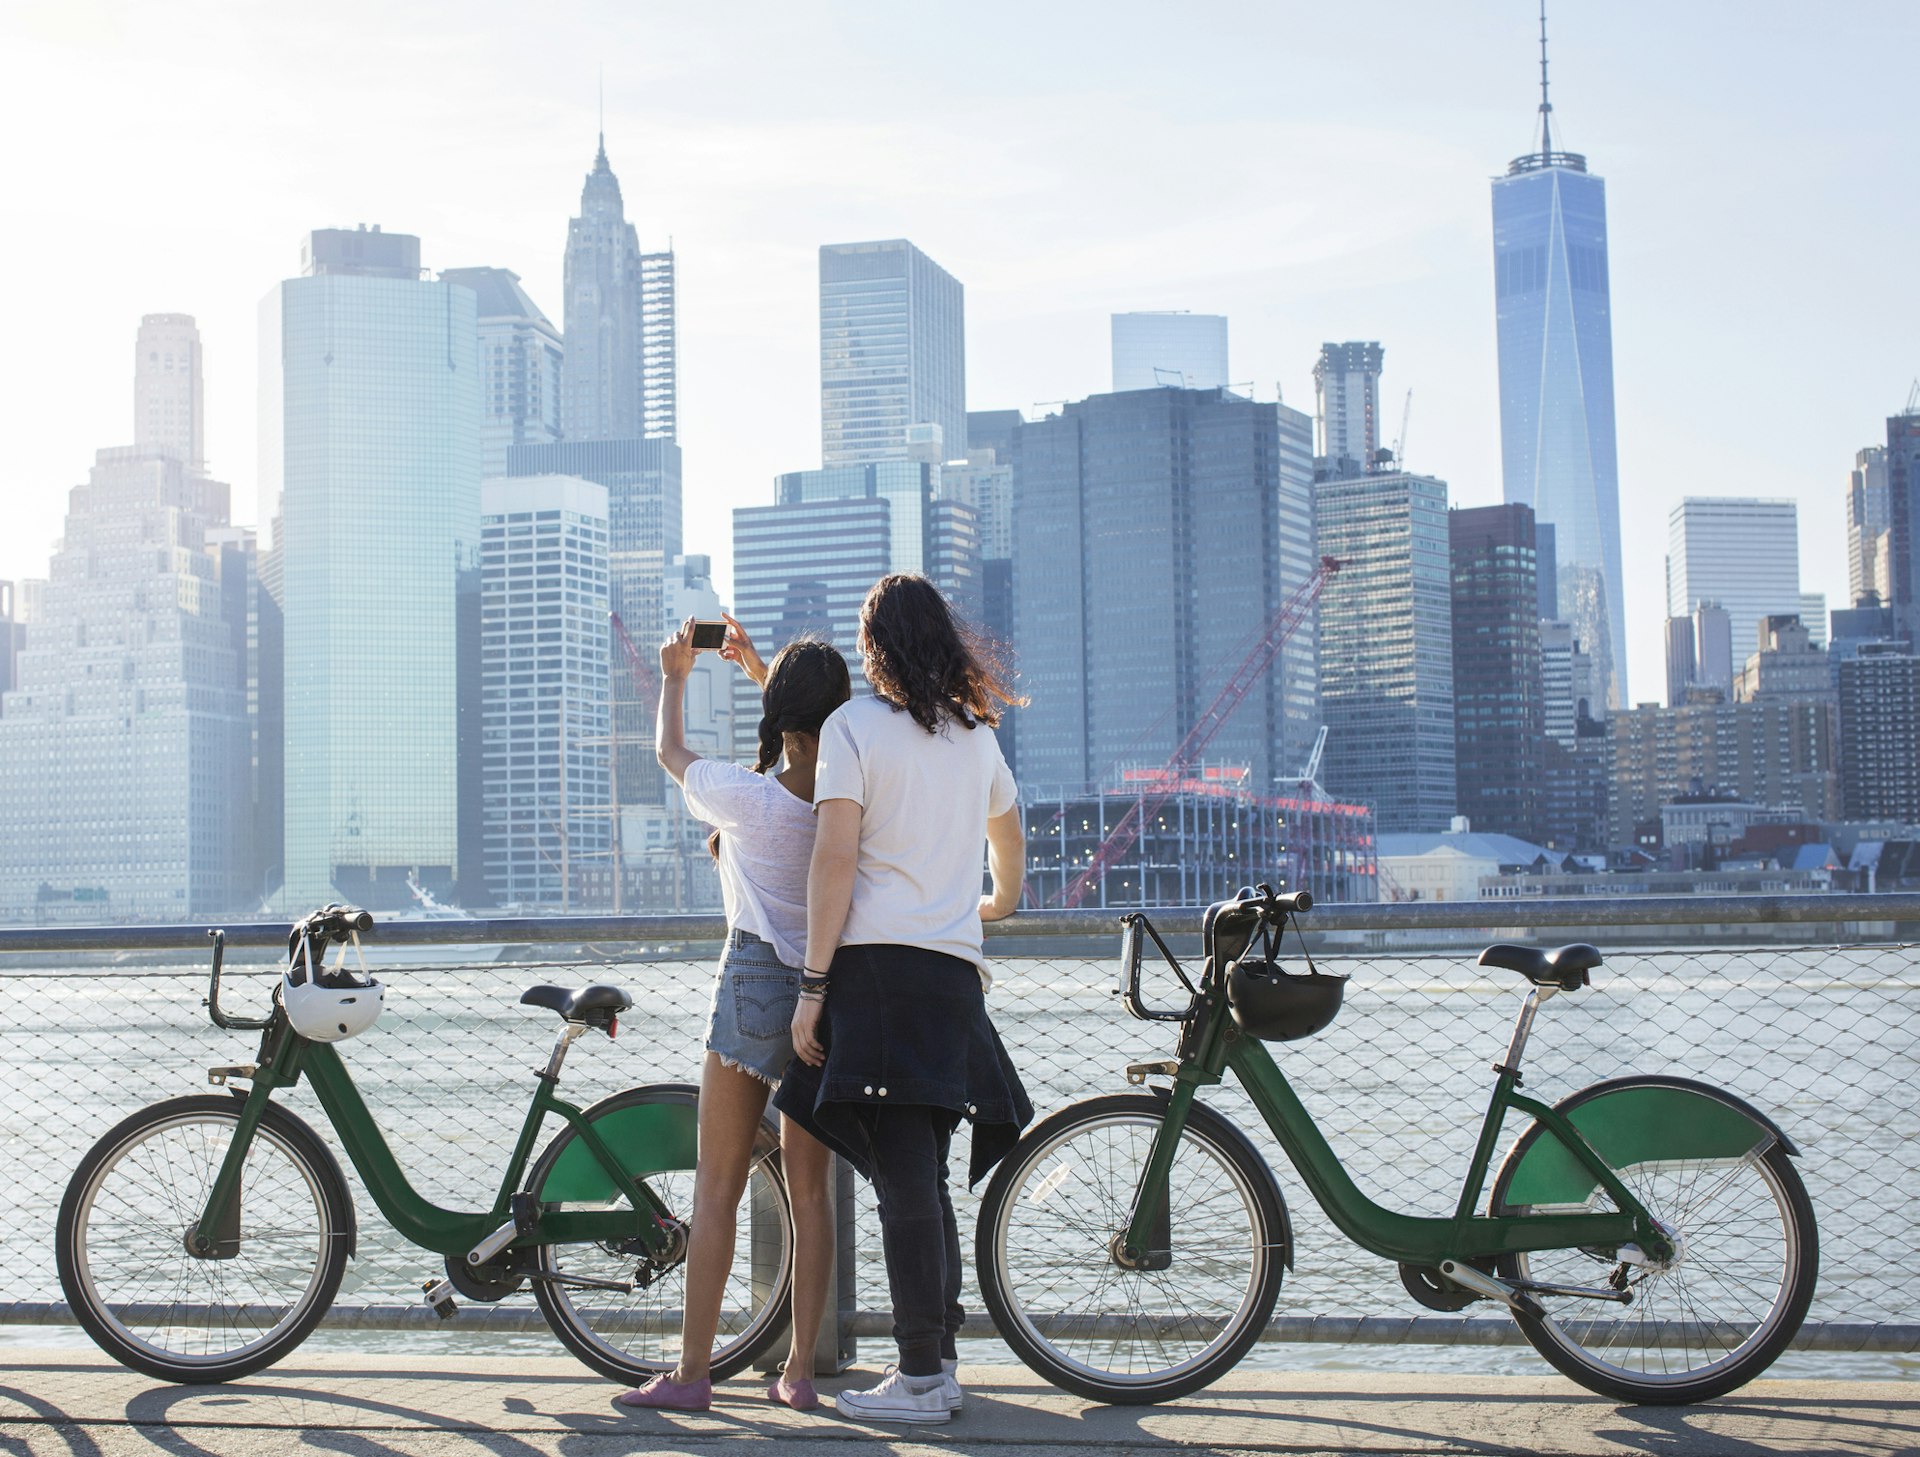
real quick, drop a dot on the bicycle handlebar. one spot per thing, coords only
(1262, 900)
(329, 923)
(221, 1019)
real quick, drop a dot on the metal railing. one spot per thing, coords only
(1818, 1029)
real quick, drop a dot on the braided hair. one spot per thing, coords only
(806, 681)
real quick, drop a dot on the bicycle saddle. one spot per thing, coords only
(578, 1005)
(1565, 967)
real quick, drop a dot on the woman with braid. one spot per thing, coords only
(763, 839)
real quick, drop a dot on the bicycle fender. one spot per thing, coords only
(1631, 1121)
(649, 1138)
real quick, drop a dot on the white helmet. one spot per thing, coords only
(329, 1003)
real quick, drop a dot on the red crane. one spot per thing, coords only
(638, 674)
(1126, 834)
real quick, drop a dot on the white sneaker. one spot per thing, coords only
(894, 1400)
(950, 1370)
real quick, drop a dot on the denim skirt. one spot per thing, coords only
(750, 1025)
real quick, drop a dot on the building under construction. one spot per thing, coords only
(1204, 835)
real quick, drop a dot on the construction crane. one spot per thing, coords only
(1310, 776)
(1186, 757)
(1400, 445)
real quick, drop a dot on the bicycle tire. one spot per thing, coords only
(1685, 1315)
(1107, 1353)
(130, 1280)
(760, 1302)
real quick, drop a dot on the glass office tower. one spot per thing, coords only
(370, 464)
(892, 352)
(1556, 383)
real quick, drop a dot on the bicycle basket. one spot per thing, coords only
(1276, 1005)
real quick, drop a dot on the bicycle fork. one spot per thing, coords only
(215, 1235)
(1147, 1241)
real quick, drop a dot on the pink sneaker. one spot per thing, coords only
(799, 1395)
(660, 1394)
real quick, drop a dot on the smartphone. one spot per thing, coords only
(709, 634)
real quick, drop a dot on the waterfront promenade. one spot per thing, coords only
(76, 1403)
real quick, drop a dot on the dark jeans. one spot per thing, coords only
(907, 1148)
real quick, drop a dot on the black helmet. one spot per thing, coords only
(1280, 1006)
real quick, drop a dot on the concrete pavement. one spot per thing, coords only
(75, 1403)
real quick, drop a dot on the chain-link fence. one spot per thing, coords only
(1821, 1037)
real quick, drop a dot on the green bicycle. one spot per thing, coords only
(204, 1237)
(1649, 1235)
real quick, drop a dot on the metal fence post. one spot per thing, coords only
(837, 1346)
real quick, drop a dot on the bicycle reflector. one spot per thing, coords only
(1276, 1005)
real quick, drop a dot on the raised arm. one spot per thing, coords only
(670, 723)
(1007, 863)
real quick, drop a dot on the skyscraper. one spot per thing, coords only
(805, 563)
(370, 465)
(603, 391)
(1880, 734)
(1553, 312)
(642, 478)
(1682, 662)
(1346, 392)
(892, 352)
(123, 734)
(169, 407)
(1187, 351)
(1740, 552)
(1386, 647)
(12, 635)
(123, 747)
(1499, 711)
(1903, 521)
(1148, 557)
(520, 366)
(544, 702)
(1869, 514)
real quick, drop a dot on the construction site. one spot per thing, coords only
(1188, 831)
(1204, 834)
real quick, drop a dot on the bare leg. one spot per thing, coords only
(806, 1160)
(731, 1103)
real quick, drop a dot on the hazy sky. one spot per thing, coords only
(1313, 171)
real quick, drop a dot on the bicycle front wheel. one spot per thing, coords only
(1701, 1323)
(1051, 1218)
(137, 1287)
(634, 1334)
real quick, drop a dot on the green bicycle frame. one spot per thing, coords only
(1409, 1239)
(419, 1220)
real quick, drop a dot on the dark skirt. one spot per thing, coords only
(904, 1025)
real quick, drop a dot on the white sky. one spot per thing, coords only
(1313, 171)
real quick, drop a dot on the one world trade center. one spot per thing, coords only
(1556, 382)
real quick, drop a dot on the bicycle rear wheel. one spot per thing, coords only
(122, 1241)
(1703, 1323)
(636, 1335)
(1070, 1311)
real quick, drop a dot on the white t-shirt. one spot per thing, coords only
(766, 844)
(925, 800)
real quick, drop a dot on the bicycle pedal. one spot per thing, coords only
(1139, 1072)
(439, 1295)
(218, 1075)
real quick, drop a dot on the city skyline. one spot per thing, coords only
(1305, 262)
